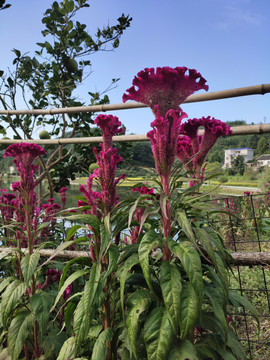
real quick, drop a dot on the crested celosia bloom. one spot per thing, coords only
(24, 153)
(193, 148)
(165, 87)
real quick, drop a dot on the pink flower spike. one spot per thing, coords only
(110, 126)
(166, 87)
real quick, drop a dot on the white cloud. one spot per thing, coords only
(238, 13)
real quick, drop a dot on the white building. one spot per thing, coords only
(263, 160)
(231, 154)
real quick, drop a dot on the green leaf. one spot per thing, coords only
(80, 261)
(189, 309)
(184, 351)
(158, 334)
(122, 274)
(132, 211)
(5, 253)
(86, 308)
(102, 345)
(10, 299)
(62, 247)
(106, 241)
(67, 350)
(72, 231)
(238, 301)
(5, 282)
(18, 332)
(87, 219)
(150, 241)
(41, 303)
(28, 265)
(4, 355)
(113, 258)
(191, 262)
(186, 226)
(235, 345)
(217, 299)
(171, 287)
(70, 280)
(138, 302)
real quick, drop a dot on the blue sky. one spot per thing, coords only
(227, 41)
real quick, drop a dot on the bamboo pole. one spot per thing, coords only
(237, 130)
(215, 95)
(238, 258)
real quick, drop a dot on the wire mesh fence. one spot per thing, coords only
(245, 224)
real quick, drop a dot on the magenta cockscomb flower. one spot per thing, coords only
(24, 153)
(165, 87)
(193, 148)
(110, 126)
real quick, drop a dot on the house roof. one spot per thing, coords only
(263, 157)
(244, 148)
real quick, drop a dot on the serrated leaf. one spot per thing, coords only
(102, 345)
(138, 302)
(10, 299)
(158, 334)
(18, 332)
(171, 287)
(150, 241)
(189, 309)
(191, 262)
(184, 351)
(28, 265)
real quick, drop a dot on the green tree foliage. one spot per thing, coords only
(50, 78)
(3, 5)
(238, 165)
(262, 146)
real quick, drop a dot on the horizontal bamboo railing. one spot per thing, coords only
(238, 258)
(237, 130)
(216, 95)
